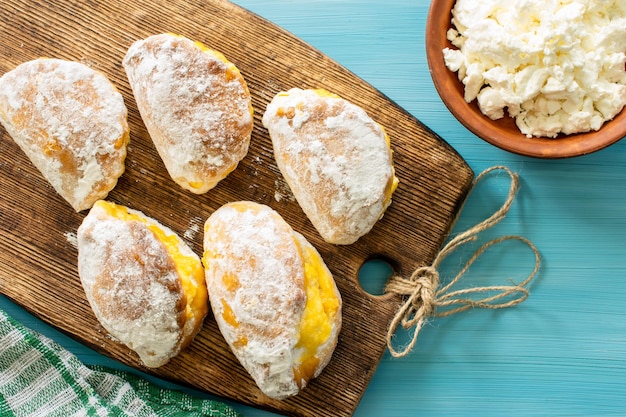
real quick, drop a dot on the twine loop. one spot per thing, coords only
(424, 298)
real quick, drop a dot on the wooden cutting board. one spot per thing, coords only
(38, 258)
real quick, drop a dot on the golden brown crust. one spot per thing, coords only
(133, 286)
(255, 272)
(71, 122)
(336, 160)
(195, 105)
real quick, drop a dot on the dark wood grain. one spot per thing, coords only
(38, 259)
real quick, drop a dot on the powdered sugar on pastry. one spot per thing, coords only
(71, 122)
(143, 283)
(259, 273)
(196, 107)
(336, 160)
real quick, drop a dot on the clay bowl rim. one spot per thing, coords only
(502, 133)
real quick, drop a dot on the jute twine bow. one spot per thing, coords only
(424, 295)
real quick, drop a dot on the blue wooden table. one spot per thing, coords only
(563, 351)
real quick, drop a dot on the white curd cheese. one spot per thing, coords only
(555, 66)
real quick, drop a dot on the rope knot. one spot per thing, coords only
(426, 283)
(422, 292)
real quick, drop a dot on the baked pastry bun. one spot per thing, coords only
(336, 160)
(71, 122)
(274, 299)
(195, 105)
(145, 285)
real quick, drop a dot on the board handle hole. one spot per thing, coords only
(374, 275)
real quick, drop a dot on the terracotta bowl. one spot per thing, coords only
(502, 133)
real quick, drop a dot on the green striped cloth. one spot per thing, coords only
(38, 377)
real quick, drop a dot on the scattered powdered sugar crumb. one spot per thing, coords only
(71, 239)
(194, 228)
(283, 192)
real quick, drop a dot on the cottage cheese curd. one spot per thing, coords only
(555, 66)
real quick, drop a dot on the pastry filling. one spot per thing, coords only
(322, 305)
(393, 182)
